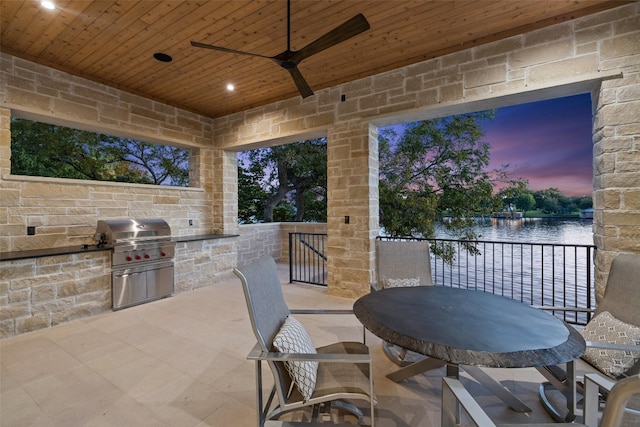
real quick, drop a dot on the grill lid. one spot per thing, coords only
(117, 231)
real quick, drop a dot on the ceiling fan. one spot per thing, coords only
(289, 59)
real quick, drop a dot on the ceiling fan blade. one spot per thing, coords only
(301, 83)
(225, 49)
(351, 28)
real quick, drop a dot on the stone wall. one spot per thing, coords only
(271, 239)
(599, 54)
(65, 211)
(38, 293)
(257, 240)
(204, 262)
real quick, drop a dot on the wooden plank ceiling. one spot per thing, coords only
(113, 42)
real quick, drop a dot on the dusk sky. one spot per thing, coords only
(548, 142)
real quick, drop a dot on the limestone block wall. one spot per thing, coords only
(65, 212)
(599, 54)
(258, 240)
(271, 239)
(202, 263)
(38, 293)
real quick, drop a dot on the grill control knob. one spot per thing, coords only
(138, 257)
(146, 256)
(129, 258)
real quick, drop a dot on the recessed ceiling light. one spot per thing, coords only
(230, 87)
(162, 57)
(47, 4)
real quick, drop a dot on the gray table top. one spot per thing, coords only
(467, 327)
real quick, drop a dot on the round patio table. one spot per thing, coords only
(470, 328)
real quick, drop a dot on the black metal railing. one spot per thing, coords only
(307, 259)
(538, 274)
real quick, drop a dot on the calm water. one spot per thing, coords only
(533, 230)
(537, 272)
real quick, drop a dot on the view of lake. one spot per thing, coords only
(533, 230)
(530, 264)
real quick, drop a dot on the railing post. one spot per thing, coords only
(291, 251)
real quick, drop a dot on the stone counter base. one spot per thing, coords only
(38, 293)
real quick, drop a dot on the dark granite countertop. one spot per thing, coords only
(194, 238)
(40, 253)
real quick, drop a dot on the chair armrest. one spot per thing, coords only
(329, 311)
(611, 346)
(455, 395)
(257, 354)
(600, 380)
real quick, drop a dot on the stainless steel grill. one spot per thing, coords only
(142, 260)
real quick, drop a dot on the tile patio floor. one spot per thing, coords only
(182, 362)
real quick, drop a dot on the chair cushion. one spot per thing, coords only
(388, 282)
(606, 328)
(293, 338)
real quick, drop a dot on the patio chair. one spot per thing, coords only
(612, 336)
(455, 396)
(304, 377)
(402, 263)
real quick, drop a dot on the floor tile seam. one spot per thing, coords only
(24, 383)
(146, 403)
(24, 391)
(58, 411)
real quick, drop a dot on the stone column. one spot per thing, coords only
(223, 182)
(5, 142)
(352, 211)
(616, 221)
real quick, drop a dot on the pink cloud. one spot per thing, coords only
(548, 143)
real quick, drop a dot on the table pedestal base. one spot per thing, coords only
(453, 371)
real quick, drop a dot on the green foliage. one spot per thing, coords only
(437, 166)
(251, 198)
(552, 202)
(41, 149)
(548, 202)
(292, 179)
(518, 196)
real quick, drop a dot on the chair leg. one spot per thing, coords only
(450, 413)
(567, 385)
(544, 389)
(260, 414)
(349, 407)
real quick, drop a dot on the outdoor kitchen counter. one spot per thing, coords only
(40, 253)
(69, 250)
(195, 238)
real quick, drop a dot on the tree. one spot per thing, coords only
(550, 200)
(436, 167)
(250, 197)
(517, 195)
(294, 174)
(583, 202)
(42, 149)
